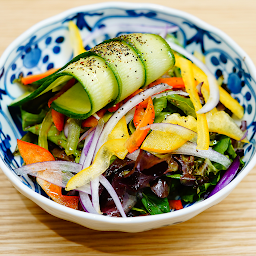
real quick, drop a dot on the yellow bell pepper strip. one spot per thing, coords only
(165, 141)
(225, 98)
(185, 121)
(76, 40)
(220, 122)
(120, 131)
(100, 164)
(32, 153)
(189, 80)
(139, 135)
(232, 104)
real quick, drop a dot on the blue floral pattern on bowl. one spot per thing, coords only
(50, 47)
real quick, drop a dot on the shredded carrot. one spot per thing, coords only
(58, 119)
(139, 135)
(175, 204)
(92, 121)
(175, 82)
(115, 107)
(139, 112)
(32, 153)
(33, 78)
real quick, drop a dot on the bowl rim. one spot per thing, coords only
(195, 208)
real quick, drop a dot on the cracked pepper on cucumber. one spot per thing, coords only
(125, 119)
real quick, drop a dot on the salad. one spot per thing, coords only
(135, 126)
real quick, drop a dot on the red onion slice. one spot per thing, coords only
(244, 136)
(91, 151)
(113, 194)
(189, 148)
(227, 177)
(65, 130)
(86, 148)
(86, 134)
(172, 128)
(133, 156)
(86, 202)
(129, 116)
(95, 194)
(199, 87)
(214, 87)
(54, 169)
(166, 93)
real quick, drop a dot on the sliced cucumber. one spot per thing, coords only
(49, 81)
(154, 52)
(107, 74)
(97, 87)
(126, 65)
(74, 103)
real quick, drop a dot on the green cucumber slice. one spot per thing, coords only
(97, 88)
(48, 82)
(156, 55)
(74, 103)
(126, 65)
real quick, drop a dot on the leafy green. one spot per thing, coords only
(29, 119)
(174, 176)
(183, 103)
(159, 104)
(153, 204)
(160, 117)
(162, 109)
(222, 145)
(140, 210)
(74, 129)
(131, 127)
(174, 72)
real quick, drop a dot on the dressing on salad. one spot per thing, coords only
(131, 127)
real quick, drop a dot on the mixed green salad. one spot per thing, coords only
(131, 127)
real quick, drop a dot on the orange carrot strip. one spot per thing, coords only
(58, 119)
(139, 135)
(175, 204)
(32, 153)
(66, 87)
(33, 78)
(139, 112)
(115, 107)
(175, 82)
(92, 121)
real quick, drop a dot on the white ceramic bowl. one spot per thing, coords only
(47, 45)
